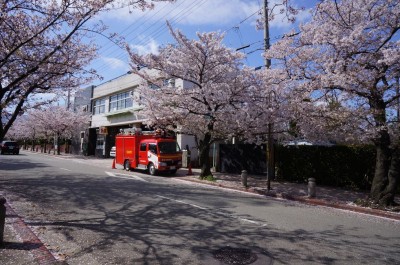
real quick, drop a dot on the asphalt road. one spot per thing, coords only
(86, 214)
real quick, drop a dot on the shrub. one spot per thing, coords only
(340, 166)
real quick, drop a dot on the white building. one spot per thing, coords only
(114, 108)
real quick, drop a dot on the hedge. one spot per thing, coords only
(339, 166)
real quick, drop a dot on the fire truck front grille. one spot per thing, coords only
(171, 163)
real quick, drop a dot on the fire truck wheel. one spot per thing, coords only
(127, 165)
(152, 169)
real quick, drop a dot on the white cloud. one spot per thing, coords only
(115, 63)
(150, 47)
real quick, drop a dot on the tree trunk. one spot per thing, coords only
(45, 146)
(204, 150)
(388, 194)
(387, 171)
(58, 144)
(33, 145)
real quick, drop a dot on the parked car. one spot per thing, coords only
(9, 147)
(112, 152)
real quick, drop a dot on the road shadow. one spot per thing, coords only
(20, 246)
(121, 221)
(17, 164)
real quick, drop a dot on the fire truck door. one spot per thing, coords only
(143, 154)
(152, 154)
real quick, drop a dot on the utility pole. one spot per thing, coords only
(266, 33)
(270, 145)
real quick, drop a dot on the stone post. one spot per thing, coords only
(244, 178)
(2, 218)
(311, 188)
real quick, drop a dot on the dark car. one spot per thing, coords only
(9, 147)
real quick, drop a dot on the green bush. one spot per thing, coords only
(209, 178)
(339, 166)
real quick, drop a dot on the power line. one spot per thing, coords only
(159, 30)
(241, 22)
(133, 27)
(175, 19)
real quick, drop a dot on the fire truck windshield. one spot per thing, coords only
(168, 147)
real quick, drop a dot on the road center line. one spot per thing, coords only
(194, 205)
(216, 213)
(249, 221)
(66, 169)
(124, 176)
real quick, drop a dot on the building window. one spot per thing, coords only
(169, 82)
(121, 101)
(99, 106)
(165, 83)
(152, 86)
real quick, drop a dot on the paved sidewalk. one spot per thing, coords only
(325, 196)
(23, 247)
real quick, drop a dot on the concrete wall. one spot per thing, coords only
(184, 140)
(123, 83)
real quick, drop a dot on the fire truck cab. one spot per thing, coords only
(150, 151)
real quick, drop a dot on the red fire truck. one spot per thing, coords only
(151, 151)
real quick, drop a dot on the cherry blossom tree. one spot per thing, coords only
(45, 46)
(278, 8)
(24, 129)
(61, 122)
(342, 70)
(48, 122)
(214, 102)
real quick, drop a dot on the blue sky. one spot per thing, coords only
(146, 31)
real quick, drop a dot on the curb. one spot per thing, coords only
(370, 211)
(306, 200)
(41, 254)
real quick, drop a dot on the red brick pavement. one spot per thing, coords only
(40, 253)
